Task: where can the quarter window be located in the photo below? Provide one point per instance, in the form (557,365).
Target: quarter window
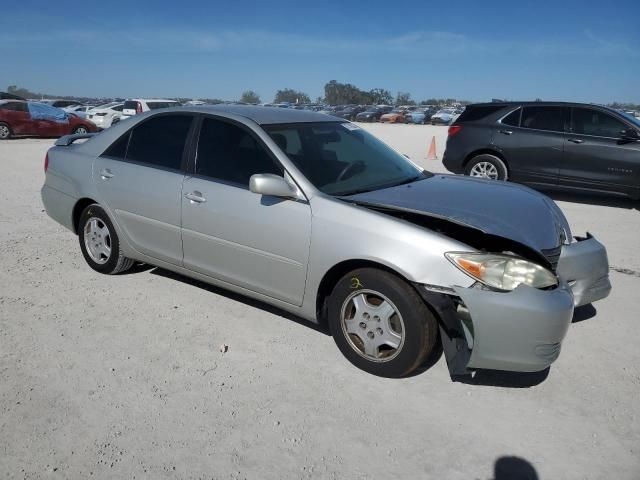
(229,153)
(513,119)
(588,121)
(160,141)
(542,118)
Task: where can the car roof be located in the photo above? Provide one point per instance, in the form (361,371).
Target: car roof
(536,103)
(264,115)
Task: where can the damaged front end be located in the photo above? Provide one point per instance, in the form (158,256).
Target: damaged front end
(516,325)
(522,329)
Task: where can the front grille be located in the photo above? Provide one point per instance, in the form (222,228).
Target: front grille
(553,255)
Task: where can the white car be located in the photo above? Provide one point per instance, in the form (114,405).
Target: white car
(79,110)
(133,106)
(106,115)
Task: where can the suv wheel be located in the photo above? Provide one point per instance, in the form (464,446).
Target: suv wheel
(380,323)
(486,166)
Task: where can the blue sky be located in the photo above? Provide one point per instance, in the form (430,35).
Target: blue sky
(476,50)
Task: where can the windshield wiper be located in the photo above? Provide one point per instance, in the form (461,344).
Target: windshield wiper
(381,187)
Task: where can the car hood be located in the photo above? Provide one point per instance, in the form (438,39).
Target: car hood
(496,208)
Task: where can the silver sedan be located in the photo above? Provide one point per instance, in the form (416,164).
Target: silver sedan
(311,214)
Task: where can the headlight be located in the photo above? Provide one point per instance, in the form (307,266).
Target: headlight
(503,271)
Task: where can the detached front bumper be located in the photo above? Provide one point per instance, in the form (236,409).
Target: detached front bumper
(585,267)
(521,330)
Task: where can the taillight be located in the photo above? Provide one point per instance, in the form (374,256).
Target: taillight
(138,107)
(453,129)
(46,162)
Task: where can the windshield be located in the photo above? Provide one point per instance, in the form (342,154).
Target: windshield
(341,158)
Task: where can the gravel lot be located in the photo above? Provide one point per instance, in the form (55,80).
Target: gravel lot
(122,376)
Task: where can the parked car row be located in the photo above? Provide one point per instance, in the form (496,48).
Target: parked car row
(54,118)
(23,118)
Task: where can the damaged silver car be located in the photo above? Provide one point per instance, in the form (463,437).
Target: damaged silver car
(314,215)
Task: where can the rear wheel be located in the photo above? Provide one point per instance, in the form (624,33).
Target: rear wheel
(99,242)
(380,323)
(486,166)
(5,131)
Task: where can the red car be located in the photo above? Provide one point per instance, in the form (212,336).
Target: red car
(20,119)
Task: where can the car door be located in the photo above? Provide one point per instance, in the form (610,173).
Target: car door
(595,155)
(531,140)
(256,242)
(139,178)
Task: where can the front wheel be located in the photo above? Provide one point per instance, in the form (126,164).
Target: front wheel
(81,130)
(99,242)
(486,166)
(380,323)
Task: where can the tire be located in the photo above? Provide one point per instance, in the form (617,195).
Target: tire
(81,130)
(95,237)
(488,166)
(411,329)
(115,120)
(5,131)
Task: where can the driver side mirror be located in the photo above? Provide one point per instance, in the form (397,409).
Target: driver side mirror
(630,134)
(271,185)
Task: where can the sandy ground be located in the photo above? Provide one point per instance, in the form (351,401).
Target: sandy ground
(122,376)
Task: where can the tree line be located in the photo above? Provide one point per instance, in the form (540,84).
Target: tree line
(335,93)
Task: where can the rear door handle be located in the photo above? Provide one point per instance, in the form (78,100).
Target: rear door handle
(506,132)
(575,140)
(106,174)
(195,197)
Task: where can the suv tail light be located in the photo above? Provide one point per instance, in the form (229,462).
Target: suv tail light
(453,129)
(138,107)
(46,162)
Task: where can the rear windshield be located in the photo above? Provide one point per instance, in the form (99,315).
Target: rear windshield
(130,105)
(472,114)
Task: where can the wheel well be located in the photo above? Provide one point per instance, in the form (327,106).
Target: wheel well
(78,209)
(481,152)
(334,274)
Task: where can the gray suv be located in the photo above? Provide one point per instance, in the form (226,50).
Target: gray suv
(570,145)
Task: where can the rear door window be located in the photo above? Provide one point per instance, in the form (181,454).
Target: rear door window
(15,106)
(230,153)
(543,118)
(160,141)
(588,121)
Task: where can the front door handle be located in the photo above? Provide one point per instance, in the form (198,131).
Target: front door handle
(506,132)
(106,174)
(195,197)
(575,140)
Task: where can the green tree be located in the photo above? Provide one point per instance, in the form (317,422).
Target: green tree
(380,96)
(250,96)
(289,95)
(404,98)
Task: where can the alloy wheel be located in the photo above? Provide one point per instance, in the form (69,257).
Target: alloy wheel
(484,170)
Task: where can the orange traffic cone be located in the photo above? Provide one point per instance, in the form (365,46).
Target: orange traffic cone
(431,153)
